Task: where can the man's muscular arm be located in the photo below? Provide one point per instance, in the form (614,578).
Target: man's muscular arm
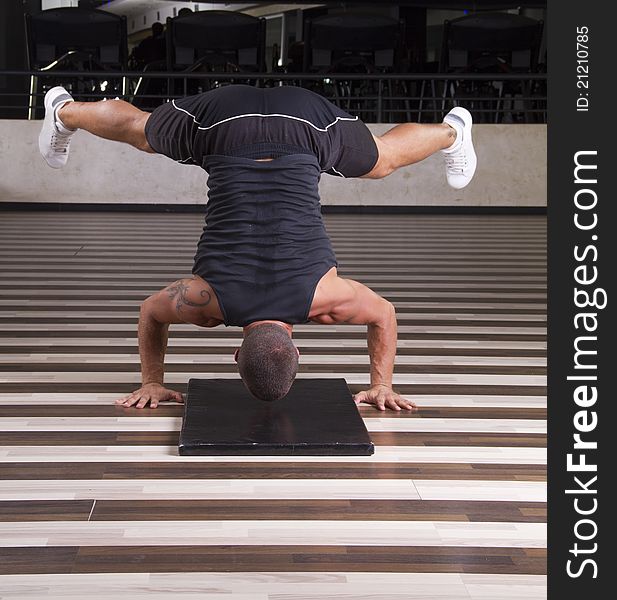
(152,334)
(180,302)
(359,305)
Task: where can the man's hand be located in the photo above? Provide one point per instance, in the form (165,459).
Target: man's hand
(383,397)
(152,393)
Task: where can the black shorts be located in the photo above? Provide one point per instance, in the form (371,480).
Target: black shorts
(250,122)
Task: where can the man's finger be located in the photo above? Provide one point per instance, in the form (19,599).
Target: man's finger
(131,400)
(392,403)
(143,401)
(412,405)
(125,398)
(360,397)
(404,403)
(178,397)
(153,403)
(383,399)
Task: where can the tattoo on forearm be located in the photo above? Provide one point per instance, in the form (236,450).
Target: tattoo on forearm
(179,291)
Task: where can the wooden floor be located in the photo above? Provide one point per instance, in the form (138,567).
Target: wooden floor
(96,503)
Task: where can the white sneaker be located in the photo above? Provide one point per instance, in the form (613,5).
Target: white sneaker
(460,158)
(55,138)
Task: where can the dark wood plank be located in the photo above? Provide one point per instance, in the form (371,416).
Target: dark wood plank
(25,560)
(113,308)
(121,389)
(330,510)
(105,387)
(186,559)
(171,409)
(217,332)
(459,412)
(176,410)
(91,320)
(45,510)
(304,350)
(123,293)
(412,438)
(170,438)
(295,470)
(78,367)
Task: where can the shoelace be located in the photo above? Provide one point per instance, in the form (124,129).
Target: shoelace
(456,162)
(59,142)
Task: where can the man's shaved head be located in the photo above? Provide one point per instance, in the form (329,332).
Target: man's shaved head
(267,361)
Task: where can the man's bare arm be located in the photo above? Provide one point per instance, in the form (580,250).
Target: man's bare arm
(382,337)
(152,335)
(180,302)
(360,305)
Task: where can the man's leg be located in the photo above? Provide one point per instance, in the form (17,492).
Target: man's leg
(115,120)
(110,119)
(410,143)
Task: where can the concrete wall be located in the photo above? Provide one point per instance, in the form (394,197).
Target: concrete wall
(511,172)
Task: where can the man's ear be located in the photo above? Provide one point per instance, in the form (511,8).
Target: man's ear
(298,351)
(236,354)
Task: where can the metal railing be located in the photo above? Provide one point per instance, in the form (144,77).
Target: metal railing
(374,97)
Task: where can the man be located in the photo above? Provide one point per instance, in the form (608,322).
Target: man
(152,48)
(264,261)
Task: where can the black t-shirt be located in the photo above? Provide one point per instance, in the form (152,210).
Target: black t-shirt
(264,247)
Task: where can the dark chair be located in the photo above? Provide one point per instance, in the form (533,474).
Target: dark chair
(493,43)
(214,41)
(354,43)
(75,39)
(333,41)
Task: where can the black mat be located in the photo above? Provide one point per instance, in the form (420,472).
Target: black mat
(318,417)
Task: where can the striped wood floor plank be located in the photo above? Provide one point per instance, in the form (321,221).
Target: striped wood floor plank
(407,422)
(34,401)
(196,487)
(354,510)
(377,472)
(275,586)
(140,532)
(175,409)
(383,454)
(188,559)
(170,438)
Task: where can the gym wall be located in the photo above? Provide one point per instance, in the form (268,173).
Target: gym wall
(511,173)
